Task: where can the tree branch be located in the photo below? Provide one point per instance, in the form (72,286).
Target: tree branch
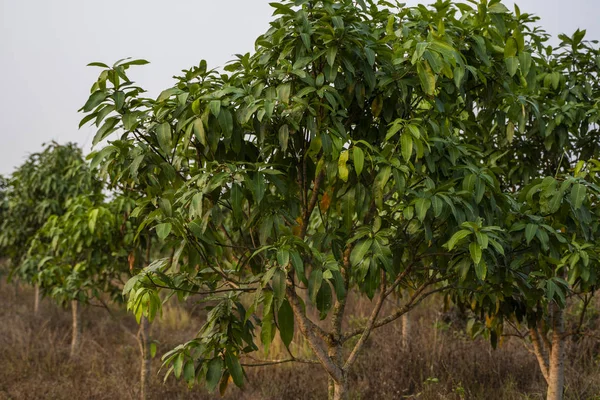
(370,324)
(414,300)
(312,203)
(309,331)
(538,351)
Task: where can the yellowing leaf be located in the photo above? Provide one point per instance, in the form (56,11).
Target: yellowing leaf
(342,167)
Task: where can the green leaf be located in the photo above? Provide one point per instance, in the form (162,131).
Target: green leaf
(283,257)
(283,93)
(266,331)
(279,285)
(136,62)
(530,231)
(331,53)
(578,193)
(510,50)
(426,77)
(92,220)
(259,187)
(94,100)
(525,62)
(97,64)
(236,197)
(189,372)
(199,131)
(284,134)
(106,129)
(481,270)
(358,157)
(163,134)
(163,230)
(407,146)
(324,300)
(165,94)
(438,206)
(482,239)
(215,107)
(178,365)
(457,237)
(476,253)
(510,131)
(479,190)
(512,65)
(285,319)
(359,251)
(314,283)
(234,368)
(298,265)
(129,121)
(421,207)
(468,183)
(498,8)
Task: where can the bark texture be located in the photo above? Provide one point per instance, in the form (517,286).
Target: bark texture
(146,359)
(405,331)
(341,389)
(36,300)
(539,352)
(556,373)
(76,334)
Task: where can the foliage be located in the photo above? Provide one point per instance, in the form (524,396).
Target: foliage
(360,148)
(82,254)
(41,187)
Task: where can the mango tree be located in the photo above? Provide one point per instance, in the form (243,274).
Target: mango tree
(78,255)
(125,176)
(335,161)
(551,225)
(36,190)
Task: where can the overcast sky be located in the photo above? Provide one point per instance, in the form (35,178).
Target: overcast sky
(45,46)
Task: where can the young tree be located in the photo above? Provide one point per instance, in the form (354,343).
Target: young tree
(336,160)
(78,255)
(38,189)
(551,178)
(145,246)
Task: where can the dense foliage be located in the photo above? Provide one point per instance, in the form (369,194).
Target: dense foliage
(38,189)
(363,149)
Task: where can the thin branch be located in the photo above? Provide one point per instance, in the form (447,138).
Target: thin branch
(414,300)
(265,363)
(370,324)
(312,203)
(200,293)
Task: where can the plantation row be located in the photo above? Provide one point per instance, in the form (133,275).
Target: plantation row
(364,149)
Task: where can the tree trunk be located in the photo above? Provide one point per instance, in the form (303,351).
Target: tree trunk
(36,300)
(405,331)
(538,350)
(340,389)
(76,335)
(556,373)
(144,341)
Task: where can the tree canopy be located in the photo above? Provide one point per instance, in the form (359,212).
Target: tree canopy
(38,189)
(362,148)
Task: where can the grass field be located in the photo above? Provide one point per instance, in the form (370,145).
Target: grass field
(440,363)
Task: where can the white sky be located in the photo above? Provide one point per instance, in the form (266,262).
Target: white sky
(45,46)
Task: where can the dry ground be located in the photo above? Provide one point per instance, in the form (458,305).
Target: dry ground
(441,362)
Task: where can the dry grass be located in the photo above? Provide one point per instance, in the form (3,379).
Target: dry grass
(441,363)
